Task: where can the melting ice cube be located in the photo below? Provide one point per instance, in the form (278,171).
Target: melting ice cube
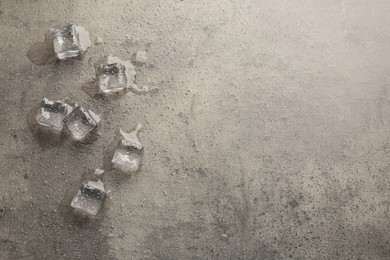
(89,197)
(112,78)
(79,122)
(66,42)
(140,57)
(129,152)
(51,113)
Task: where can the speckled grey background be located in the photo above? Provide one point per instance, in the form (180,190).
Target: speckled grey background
(266,131)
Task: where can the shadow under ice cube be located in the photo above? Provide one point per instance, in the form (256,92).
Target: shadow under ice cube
(66,42)
(52,113)
(89,198)
(112,78)
(80,123)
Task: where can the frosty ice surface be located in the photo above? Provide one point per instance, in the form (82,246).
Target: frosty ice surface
(66,42)
(79,122)
(129,152)
(112,78)
(89,197)
(51,113)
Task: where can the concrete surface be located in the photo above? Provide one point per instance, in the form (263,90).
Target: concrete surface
(266,131)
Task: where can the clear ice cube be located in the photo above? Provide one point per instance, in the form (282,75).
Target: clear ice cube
(89,197)
(66,42)
(52,113)
(129,152)
(79,122)
(112,78)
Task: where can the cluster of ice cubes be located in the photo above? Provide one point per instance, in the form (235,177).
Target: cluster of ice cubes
(127,158)
(57,114)
(114,77)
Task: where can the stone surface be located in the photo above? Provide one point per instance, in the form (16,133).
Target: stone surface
(284,106)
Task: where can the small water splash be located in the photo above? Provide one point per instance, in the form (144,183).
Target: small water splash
(84,38)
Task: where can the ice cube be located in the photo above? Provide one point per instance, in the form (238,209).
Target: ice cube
(129,152)
(112,78)
(52,113)
(66,42)
(79,122)
(127,156)
(89,197)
